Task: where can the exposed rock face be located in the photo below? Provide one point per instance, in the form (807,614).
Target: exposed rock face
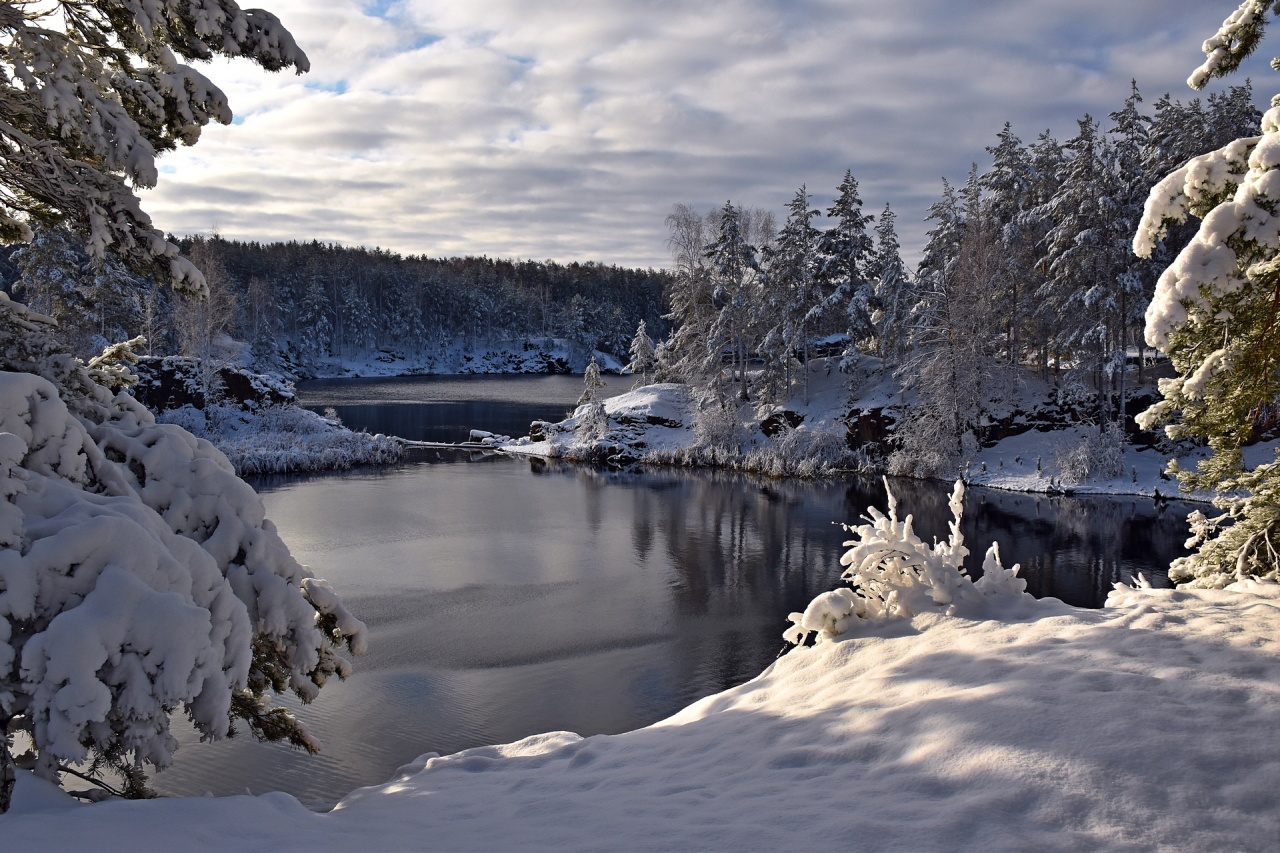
(779,421)
(173,382)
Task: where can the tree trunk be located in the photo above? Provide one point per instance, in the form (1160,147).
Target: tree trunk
(8,776)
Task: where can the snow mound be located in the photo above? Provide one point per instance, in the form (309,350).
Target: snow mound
(665,403)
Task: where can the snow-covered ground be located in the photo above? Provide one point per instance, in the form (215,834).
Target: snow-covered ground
(1147,725)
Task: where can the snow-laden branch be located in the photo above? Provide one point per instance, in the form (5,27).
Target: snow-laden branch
(91,93)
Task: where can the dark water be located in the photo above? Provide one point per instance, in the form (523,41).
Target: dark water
(506,597)
(446,408)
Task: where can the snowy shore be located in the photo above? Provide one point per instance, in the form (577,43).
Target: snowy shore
(1142,726)
(283,439)
(668,424)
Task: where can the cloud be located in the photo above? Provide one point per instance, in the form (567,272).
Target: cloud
(567,130)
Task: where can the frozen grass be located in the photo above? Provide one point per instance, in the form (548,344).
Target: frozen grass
(284,438)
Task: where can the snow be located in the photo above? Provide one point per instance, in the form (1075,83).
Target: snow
(455,357)
(1146,725)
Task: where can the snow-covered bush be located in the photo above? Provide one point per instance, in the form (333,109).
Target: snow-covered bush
(718,425)
(138,577)
(1093,456)
(894,574)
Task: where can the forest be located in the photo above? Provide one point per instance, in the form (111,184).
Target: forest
(1029,269)
(296,303)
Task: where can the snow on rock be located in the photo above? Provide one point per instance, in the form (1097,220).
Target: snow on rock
(1145,725)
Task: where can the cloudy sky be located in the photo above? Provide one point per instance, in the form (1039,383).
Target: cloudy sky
(566,130)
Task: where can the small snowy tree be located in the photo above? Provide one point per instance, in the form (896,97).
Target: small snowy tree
(591,382)
(138,578)
(643,356)
(1216,313)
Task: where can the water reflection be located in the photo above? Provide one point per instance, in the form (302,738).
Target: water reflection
(507,598)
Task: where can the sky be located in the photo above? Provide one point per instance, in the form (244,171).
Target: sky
(567,130)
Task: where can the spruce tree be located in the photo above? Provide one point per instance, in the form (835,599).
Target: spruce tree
(643,357)
(791,292)
(894,293)
(733,267)
(1216,313)
(846,251)
(591,382)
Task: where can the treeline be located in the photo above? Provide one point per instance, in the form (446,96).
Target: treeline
(1029,266)
(302,302)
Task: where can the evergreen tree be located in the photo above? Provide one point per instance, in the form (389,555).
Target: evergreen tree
(315,325)
(591,382)
(1010,187)
(1135,277)
(93,91)
(96,302)
(733,267)
(846,253)
(791,293)
(151,613)
(1085,260)
(643,357)
(894,293)
(1216,313)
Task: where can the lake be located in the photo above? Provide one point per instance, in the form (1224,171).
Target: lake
(507,597)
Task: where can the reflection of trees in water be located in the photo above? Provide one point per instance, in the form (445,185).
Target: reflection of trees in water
(1073,548)
(743,550)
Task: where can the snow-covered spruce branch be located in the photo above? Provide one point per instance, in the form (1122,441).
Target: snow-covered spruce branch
(93,91)
(1216,313)
(893,574)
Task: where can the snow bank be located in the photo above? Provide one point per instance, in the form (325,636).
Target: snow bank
(1146,725)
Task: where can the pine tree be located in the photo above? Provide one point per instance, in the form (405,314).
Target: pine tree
(151,612)
(1010,188)
(96,302)
(1135,276)
(93,91)
(1084,260)
(689,295)
(791,292)
(733,267)
(1216,313)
